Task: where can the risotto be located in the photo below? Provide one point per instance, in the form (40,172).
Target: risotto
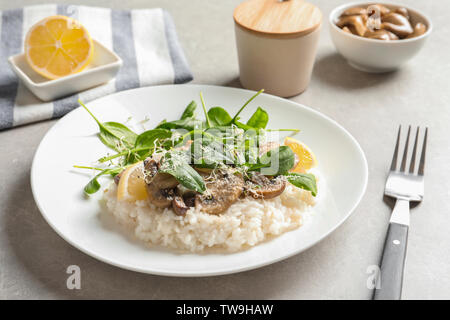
(219,183)
(245,223)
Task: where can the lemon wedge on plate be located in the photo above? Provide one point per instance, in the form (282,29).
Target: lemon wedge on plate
(58,46)
(305,157)
(131,184)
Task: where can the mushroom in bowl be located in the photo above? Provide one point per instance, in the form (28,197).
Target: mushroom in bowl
(378,37)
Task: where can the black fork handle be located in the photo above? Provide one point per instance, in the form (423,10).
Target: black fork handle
(392,263)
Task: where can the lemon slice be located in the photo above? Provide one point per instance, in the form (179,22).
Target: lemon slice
(306,158)
(58,46)
(131,184)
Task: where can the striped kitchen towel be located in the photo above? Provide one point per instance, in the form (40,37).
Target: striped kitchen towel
(145,39)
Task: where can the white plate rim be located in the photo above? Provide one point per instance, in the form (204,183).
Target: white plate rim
(217,272)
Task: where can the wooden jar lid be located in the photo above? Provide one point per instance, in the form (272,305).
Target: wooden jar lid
(277,18)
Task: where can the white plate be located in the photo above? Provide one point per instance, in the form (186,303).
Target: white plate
(57,187)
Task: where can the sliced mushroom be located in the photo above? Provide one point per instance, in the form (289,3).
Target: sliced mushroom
(162,198)
(419,30)
(204,170)
(117,177)
(181,203)
(403,11)
(356,24)
(160,186)
(346,29)
(223,188)
(380,35)
(178,206)
(162,180)
(150,169)
(189,198)
(260,186)
(397,24)
(379,8)
(354,11)
(358,11)
(379,22)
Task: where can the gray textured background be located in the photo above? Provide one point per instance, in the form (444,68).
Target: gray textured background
(33,258)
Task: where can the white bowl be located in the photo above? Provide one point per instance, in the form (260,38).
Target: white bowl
(373,55)
(104,66)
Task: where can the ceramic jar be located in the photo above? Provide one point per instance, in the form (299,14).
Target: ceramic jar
(277,43)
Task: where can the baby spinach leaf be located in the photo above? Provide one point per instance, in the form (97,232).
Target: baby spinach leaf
(208,122)
(241,125)
(219,117)
(113,134)
(145,143)
(176,165)
(259,119)
(189,111)
(188,177)
(148,138)
(93,186)
(161,122)
(187,124)
(211,154)
(306,181)
(246,103)
(275,162)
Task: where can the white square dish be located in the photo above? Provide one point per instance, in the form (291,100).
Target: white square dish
(104,67)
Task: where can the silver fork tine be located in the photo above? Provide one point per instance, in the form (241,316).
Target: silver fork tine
(405,152)
(394,158)
(413,157)
(422,156)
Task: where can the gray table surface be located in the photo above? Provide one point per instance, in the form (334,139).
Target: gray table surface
(33,258)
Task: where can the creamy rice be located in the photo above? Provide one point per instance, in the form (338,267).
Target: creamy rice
(246,223)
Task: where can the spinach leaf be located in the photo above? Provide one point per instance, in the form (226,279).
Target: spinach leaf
(187,124)
(259,119)
(146,143)
(189,111)
(275,162)
(241,125)
(219,117)
(187,120)
(250,146)
(208,122)
(200,134)
(93,186)
(113,134)
(207,150)
(306,181)
(175,164)
(210,155)
(161,122)
(147,139)
(246,103)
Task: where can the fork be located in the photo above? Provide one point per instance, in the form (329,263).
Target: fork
(405,186)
